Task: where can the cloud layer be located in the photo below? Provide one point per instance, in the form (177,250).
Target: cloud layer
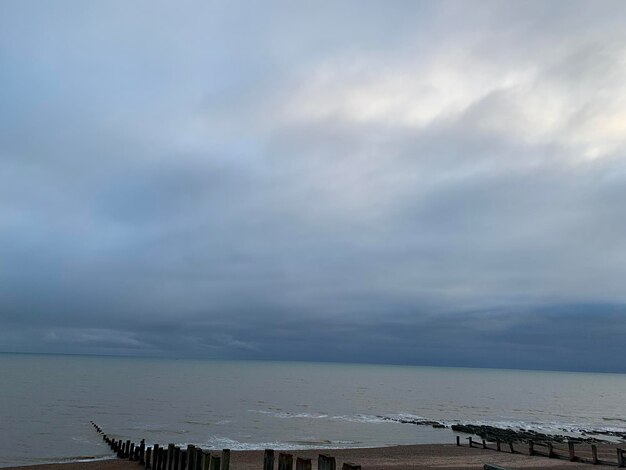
(423,182)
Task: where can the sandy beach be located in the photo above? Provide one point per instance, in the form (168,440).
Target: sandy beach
(440,456)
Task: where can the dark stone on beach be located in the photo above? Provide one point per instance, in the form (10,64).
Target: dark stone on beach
(492,433)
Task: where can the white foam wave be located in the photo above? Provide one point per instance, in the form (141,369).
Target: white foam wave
(221,442)
(359,418)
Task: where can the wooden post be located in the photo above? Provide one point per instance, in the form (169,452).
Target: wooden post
(620,457)
(550,450)
(155,454)
(199,456)
(147,460)
(285,461)
(176,458)
(470,441)
(215,462)
(326,462)
(206,460)
(131,454)
(127,449)
(161,461)
(350,466)
(155,457)
(303,464)
(191,458)
(170,456)
(594,454)
(458,440)
(498,444)
(225,459)
(268,460)
(484,444)
(531,448)
(142,452)
(572,455)
(183,459)
(511,447)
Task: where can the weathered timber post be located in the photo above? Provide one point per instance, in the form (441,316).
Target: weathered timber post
(326,462)
(147,459)
(498,444)
(170,456)
(155,454)
(225,459)
(215,462)
(161,458)
(531,448)
(127,449)
(166,454)
(176,458)
(191,454)
(142,452)
(484,444)
(206,459)
(458,441)
(572,454)
(550,450)
(285,461)
(511,447)
(183,459)
(620,457)
(594,454)
(131,454)
(268,459)
(303,464)
(470,441)
(138,453)
(199,458)
(350,466)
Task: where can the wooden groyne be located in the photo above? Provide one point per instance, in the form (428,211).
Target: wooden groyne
(575,452)
(172,457)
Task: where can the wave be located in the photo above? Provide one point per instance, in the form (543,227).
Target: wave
(221,442)
(548,427)
(359,418)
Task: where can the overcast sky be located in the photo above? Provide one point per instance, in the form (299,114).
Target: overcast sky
(417,182)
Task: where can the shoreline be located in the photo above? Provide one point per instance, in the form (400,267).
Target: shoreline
(405,457)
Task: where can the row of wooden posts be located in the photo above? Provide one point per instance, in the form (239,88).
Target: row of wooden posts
(195,458)
(550,453)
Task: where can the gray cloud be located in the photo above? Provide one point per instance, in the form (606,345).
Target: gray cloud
(424,182)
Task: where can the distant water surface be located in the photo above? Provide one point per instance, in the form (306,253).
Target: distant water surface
(46,403)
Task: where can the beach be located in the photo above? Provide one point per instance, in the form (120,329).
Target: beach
(440,456)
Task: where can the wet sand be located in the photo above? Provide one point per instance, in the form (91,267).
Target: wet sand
(438,456)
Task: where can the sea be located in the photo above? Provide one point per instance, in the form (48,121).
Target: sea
(48,401)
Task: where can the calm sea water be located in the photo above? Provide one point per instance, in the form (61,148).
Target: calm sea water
(46,403)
